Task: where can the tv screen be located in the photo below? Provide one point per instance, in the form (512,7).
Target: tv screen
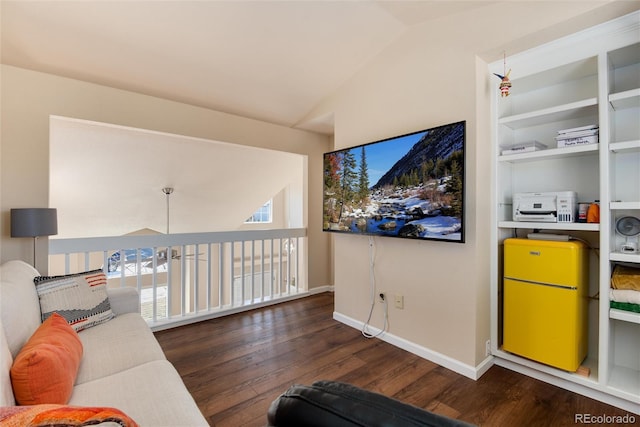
(409,186)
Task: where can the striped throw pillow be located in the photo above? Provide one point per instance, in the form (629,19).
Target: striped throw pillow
(80,298)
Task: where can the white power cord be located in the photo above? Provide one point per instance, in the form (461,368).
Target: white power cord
(372,282)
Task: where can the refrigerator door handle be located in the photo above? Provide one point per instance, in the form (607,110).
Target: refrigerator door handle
(553,285)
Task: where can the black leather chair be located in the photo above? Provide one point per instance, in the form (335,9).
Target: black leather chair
(335,404)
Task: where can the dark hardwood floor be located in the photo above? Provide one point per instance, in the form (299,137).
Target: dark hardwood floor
(237,365)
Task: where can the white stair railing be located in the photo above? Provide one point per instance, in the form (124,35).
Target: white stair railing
(183,278)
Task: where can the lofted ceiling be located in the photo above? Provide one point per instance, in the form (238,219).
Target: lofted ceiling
(268,60)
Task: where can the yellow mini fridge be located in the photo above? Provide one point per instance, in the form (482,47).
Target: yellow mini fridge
(545,301)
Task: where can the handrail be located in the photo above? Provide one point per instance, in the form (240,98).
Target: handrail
(93,244)
(182,278)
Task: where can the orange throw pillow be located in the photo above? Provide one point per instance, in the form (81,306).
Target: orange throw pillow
(46,368)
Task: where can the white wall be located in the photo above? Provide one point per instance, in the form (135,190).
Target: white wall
(431,76)
(30,98)
(107,180)
(412,86)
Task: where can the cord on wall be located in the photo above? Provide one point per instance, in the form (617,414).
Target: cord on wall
(372,283)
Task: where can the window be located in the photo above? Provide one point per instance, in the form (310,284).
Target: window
(262,215)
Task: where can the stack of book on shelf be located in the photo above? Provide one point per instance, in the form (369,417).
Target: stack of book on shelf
(577,136)
(522,147)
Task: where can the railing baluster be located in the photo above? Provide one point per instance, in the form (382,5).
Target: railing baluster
(280,267)
(183,279)
(196,263)
(139,270)
(288,255)
(105,262)
(122,267)
(252,269)
(232,273)
(154,282)
(221,274)
(208,281)
(242,274)
(297,270)
(262,290)
(271,270)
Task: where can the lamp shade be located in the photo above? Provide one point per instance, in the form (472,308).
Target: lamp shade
(34,222)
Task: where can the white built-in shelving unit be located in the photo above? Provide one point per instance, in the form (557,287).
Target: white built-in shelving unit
(592,77)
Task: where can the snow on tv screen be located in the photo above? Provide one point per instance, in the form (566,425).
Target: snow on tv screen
(409,186)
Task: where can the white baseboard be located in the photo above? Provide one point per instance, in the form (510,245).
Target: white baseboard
(320,289)
(472,372)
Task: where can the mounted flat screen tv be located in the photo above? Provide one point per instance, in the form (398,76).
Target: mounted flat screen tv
(409,186)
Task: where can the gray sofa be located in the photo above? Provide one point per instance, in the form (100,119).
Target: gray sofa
(122,364)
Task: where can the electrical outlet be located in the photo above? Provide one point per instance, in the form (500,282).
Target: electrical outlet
(487,348)
(382,297)
(399,302)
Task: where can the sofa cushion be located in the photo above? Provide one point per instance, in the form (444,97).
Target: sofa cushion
(63,415)
(80,298)
(120,344)
(19,307)
(153,394)
(45,369)
(6,390)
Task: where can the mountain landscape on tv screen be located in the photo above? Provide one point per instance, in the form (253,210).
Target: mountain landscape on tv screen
(419,196)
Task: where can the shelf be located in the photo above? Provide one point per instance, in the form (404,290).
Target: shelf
(569,226)
(620,257)
(624,205)
(558,76)
(552,153)
(570,85)
(628,55)
(589,362)
(568,111)
(625,146)
(625,380)
(625,316)
(626,99)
